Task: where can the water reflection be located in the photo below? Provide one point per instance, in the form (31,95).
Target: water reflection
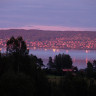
(45,49)
(67,51)
(79,57)
(74,59)
(54,50)
(34,48)
(87,51)
(58,50)
(0,49)
(87,60)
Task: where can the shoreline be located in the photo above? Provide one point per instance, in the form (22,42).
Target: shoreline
(4,48)
(58,48)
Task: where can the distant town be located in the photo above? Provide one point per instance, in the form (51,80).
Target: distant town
(52,39)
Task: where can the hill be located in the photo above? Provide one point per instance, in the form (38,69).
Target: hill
(59,39)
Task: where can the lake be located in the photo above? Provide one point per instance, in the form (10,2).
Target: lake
(79,57)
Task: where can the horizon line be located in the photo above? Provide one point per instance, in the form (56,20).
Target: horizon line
(51,28)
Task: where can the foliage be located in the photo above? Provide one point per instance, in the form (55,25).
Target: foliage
(16,45)
(39,61)
(63,61)
(91,69)
(50,63)
(20,73)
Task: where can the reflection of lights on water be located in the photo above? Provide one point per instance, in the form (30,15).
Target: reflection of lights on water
(34,48)
(54,50)
(57,50)
(74,59)
(86,60)
(45,49)
(67,51)
(87,51)
(0,49)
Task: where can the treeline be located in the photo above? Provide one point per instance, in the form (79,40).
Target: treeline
(21,74)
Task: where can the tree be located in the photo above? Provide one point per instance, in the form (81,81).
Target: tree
(27,79)
(16,45)
(50,63)
(89,65)
(89,69)
(40,62)
(63,61)
(94,64)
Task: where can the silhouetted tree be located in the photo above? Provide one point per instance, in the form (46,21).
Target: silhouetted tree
(89,69)
(19,73)
(40,62)
(27,79)
(50,63)
(16,45)
(94,64)
(63,61)
(89,65)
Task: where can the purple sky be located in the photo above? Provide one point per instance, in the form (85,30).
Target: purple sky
(76,14)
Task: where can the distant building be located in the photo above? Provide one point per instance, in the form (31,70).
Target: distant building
(73,69)
(67,70)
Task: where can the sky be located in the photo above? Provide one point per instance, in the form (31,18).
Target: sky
(48,14)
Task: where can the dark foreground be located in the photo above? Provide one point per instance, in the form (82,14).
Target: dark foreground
(21,76)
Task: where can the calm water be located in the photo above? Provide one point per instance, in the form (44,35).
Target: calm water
(79,57)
